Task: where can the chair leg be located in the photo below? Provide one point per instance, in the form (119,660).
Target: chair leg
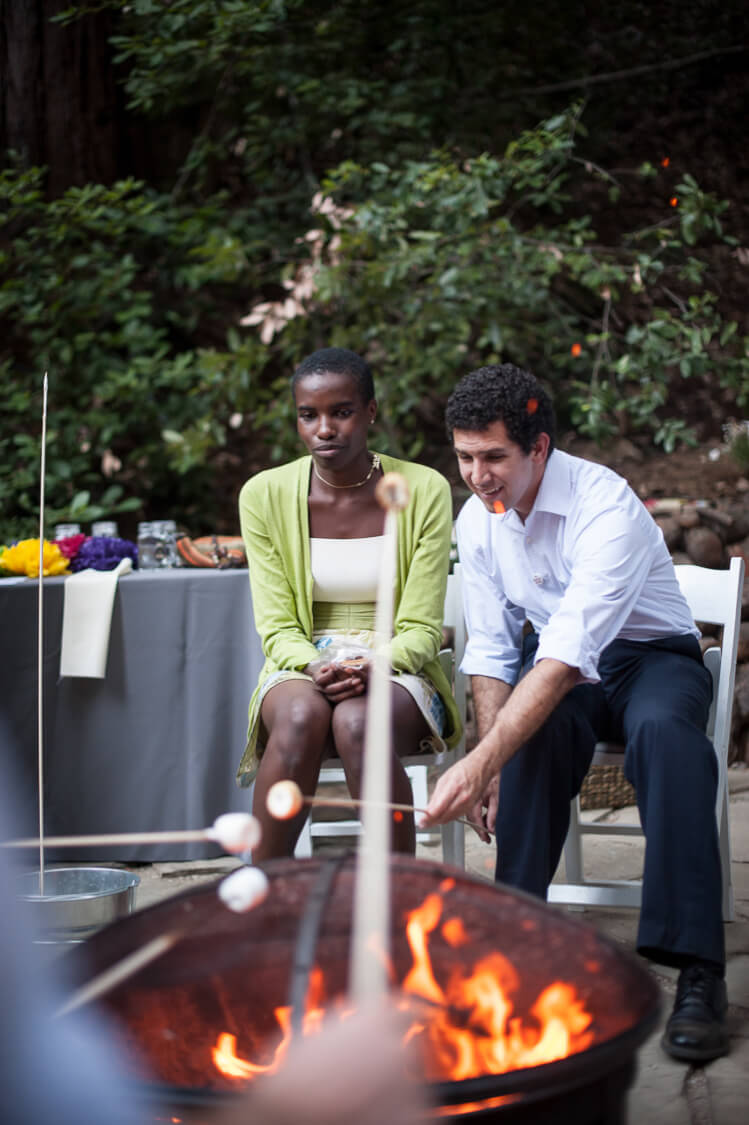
(303,849)
(453,844)
(573,846)
(417,775)
(725,860)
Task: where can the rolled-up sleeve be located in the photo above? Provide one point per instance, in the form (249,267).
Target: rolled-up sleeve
(494,625)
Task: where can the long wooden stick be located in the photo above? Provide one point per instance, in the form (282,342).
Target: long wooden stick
(370,938)
(354,802)
(121,970)
(239,892)
(40,641)
(183,836)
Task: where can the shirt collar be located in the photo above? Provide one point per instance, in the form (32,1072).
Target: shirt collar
(555,491)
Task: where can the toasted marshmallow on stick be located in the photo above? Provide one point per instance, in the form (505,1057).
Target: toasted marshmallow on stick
(284,800)
(236,832)
(244,889)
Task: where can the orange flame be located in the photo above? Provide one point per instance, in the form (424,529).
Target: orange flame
(231,1065)
(466,1027)
(499,507)
(576,350)
(470,1028)
(454,932)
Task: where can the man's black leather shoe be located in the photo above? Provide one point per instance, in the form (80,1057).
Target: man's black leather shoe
(696,1029)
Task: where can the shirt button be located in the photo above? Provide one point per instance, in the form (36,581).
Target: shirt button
(538,579)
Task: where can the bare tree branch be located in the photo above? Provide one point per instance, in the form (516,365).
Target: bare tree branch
(618,75)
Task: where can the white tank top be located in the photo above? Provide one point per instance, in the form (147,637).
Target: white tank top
(345,570)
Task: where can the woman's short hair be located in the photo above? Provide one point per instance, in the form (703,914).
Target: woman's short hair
(339,361)
(502,393)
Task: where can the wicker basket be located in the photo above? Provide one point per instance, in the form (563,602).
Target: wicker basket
(606,787)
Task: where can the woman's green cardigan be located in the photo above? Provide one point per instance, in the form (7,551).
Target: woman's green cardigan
(274,519)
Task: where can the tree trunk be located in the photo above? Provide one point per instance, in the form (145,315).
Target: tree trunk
(58,98)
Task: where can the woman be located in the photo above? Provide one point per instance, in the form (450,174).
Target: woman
(313,532)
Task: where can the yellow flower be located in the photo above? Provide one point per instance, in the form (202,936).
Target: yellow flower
(23,558)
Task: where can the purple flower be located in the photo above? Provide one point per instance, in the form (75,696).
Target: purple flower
(103,552)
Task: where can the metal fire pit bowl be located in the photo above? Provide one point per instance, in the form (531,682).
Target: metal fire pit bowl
(230,971)
(77,901)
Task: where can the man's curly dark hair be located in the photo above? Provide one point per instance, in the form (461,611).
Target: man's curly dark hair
(502,393)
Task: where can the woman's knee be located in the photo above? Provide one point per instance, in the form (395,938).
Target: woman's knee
(349,724)
(299,727)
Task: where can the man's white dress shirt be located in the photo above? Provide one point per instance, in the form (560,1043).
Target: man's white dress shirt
(588,566)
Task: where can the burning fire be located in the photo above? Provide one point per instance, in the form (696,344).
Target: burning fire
(465,1027)
(231,1065)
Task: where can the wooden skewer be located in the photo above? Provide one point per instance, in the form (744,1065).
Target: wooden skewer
(40,642)
(120,971)
(285,799)
(183,836)
(234,832)
(354,802)
(370,936)
(240,892)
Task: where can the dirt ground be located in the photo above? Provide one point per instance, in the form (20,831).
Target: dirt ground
(707,472)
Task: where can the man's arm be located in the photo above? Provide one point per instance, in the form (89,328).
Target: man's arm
(525,709)
(489,697)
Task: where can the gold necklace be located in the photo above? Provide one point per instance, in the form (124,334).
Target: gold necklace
(375,465)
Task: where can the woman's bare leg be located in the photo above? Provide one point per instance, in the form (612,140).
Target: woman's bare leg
(297,718)
(409,728)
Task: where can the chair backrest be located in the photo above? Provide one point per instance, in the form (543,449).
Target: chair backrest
(453,619)
(714,597)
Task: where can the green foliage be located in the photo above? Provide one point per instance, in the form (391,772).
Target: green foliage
(449,232)
(443,264)
(106,289)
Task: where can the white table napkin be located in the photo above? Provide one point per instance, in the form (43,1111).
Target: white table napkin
(86,620)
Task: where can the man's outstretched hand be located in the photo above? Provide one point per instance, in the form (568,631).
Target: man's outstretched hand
(464,790)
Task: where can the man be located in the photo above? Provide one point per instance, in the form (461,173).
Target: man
(564,545)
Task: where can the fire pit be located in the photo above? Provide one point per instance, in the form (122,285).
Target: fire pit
(521,1013)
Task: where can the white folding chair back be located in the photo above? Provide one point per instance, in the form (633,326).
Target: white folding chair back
(453,839)
(714,597)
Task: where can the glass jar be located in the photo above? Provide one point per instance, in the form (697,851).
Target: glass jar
(147,543)
(104,527)
(65,530)
(166,533)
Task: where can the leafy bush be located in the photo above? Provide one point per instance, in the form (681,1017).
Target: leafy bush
(169,328)
(108,289)
(432,267)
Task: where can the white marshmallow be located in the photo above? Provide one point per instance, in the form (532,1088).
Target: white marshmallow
(284,800)
(244,888)
(235,832)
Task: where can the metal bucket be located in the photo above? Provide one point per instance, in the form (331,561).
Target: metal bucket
(77,901)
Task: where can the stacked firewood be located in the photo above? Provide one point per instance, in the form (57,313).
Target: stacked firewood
(710,534)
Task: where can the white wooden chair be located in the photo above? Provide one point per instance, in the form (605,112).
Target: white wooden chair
(453,838)
(714,597)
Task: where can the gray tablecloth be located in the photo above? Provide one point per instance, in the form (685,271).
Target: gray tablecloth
(153,746)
